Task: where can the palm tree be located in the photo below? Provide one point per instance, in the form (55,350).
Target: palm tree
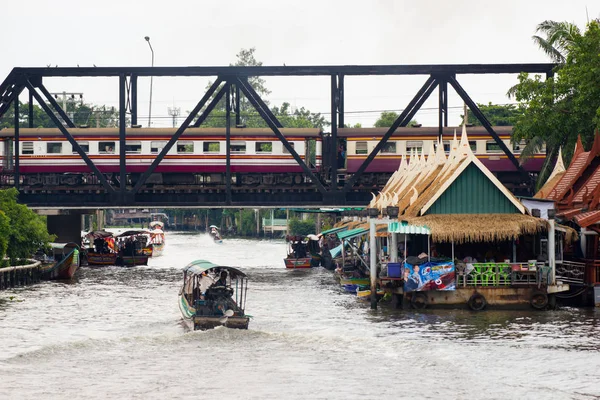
(557,41)
(560,37)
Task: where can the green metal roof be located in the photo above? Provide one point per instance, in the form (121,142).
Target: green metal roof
(200,266)
(472,193)
(334,230)
(406,228)
(346,235)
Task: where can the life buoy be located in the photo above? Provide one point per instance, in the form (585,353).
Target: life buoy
(419,300)
(539,300)
(477,302)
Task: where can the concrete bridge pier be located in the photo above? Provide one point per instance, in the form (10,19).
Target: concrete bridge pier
(65,224)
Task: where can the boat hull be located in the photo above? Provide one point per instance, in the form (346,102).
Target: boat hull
(203,322)
(131,261)
(157,249)
(148,251)
(101,259)
(63,269)
(295,263)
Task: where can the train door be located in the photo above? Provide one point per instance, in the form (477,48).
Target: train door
(6,151)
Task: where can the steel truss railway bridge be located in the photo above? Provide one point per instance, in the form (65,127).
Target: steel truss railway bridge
(232,83)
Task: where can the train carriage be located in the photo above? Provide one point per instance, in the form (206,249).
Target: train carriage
(199,156)
(257,157)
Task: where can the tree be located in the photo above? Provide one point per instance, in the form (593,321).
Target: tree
(556,110)
(80,114)
(302,228)
(298,118)
(4,227)
(496,114)
(560,37)
(387,118)
(27,231)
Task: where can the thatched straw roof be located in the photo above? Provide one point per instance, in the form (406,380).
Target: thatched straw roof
(462,228)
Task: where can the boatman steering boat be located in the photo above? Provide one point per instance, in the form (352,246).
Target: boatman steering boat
(212,296)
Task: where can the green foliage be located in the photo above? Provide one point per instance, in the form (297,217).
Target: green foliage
(298,118)
(27,231)
(80,113)
(387,118)
(303,228)
(558,109)
(4,227)
(496,114)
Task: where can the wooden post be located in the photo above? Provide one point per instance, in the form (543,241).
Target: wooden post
(373,262)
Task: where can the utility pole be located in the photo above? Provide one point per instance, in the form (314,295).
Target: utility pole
(68,98)
(174,112)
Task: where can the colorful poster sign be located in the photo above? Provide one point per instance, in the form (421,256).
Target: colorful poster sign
(429,276)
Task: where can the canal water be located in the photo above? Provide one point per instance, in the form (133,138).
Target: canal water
(116,333)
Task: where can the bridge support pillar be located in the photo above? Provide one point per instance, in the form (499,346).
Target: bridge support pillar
(67,228)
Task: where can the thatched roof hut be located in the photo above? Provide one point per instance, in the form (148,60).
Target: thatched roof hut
(457,198)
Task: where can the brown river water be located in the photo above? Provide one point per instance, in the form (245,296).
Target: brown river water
(116,333)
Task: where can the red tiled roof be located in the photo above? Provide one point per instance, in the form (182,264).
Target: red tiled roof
(589,187)
(587,218)
(568,179)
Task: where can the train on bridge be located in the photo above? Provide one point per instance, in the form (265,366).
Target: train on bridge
(257,157)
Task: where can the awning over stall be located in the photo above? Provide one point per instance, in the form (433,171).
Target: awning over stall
(334,230)
(408,229)
(352,233)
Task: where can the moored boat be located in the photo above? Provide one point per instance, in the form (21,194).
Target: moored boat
(102,251)
(213,295)
(65,262)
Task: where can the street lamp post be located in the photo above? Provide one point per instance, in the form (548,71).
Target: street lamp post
(151,78)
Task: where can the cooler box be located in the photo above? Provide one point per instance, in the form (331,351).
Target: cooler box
(394,270)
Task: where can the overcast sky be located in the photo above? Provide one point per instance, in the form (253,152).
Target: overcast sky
(210,33)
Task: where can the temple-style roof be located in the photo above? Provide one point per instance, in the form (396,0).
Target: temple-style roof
(576,191)
(456,198)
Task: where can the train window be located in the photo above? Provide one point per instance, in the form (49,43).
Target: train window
(53,148)
(27,148)
(285,150)
(447,146)
(473,146)
(492,147)
(156,147)
(85,146)
(106,147)
(185,147)
(361,148)
(133,147)
(389,147)
(211,147)
(237,147)
(264,147)
(414,145)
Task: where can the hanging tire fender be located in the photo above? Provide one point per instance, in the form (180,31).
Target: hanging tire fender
(477,302)
(419,300)
(539,300)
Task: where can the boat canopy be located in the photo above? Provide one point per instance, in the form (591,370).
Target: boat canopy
(61,246)
(133,233)
(352,233)
(155,223)
(199,266)
(99,235)
(334,230)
